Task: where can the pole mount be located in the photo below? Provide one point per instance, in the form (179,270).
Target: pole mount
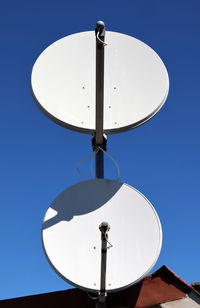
(103,145)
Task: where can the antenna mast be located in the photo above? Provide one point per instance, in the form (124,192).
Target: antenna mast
(99,141)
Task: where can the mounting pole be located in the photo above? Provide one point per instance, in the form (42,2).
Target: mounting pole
(99,140)
(104,228)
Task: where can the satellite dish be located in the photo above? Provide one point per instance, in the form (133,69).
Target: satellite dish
(136,82)
(72,240)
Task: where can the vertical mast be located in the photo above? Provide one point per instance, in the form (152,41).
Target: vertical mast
(100,141)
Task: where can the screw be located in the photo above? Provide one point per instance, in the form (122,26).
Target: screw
(83,88)
(94,247)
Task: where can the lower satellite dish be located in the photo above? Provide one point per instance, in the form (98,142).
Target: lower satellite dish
(72,240)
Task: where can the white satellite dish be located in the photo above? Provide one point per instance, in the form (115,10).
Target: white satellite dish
(136,82)
(72,240)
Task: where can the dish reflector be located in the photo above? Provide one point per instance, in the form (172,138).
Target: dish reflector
(136,82)
(72,240)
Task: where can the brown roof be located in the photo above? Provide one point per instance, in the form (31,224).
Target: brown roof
(162,286)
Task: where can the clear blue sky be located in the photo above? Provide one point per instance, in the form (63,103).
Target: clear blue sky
(38,158)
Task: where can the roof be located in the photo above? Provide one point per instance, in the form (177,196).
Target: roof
(160,287)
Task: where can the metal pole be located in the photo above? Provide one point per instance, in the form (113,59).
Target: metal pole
(99,165)
(99,138)
(100,141)
(104,228)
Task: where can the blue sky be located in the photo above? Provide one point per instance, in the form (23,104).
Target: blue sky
(38,158)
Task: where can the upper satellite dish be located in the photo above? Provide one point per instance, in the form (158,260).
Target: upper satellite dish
(136,82)
(72,240)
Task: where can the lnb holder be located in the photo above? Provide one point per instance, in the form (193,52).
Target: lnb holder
(100,28)
(104,228)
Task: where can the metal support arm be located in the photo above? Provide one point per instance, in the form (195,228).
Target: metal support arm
(104,228)
(99,139)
